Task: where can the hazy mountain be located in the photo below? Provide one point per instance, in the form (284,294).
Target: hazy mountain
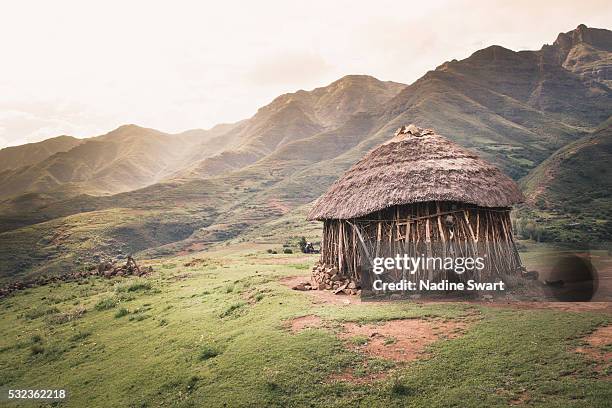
(27,154)
(296,116)
(124,159)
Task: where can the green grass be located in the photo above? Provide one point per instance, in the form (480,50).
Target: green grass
(192,343)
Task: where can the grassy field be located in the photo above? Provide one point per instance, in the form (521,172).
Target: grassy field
(214,333)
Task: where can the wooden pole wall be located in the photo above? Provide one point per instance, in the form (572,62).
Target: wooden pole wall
(425,228)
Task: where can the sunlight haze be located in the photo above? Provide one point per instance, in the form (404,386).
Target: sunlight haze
(82,69)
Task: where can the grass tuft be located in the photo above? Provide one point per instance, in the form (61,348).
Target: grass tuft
(208,352)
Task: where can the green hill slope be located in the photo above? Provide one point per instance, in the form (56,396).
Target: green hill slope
(572,190)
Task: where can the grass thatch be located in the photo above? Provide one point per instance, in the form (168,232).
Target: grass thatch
(415,166)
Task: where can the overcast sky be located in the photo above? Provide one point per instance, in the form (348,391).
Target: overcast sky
(79,68)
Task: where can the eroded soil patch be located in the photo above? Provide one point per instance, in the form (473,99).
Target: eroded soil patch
(399,340)
(599,348)
(305,322)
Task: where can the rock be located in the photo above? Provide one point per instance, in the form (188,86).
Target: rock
(339,289)
(352,285)
(302,286)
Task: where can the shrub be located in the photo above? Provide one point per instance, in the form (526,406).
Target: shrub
(106,303)
(121,312)
(302,244)
(209,352)
(36,349)
(231,309)
(192,383)
(134,287)
(287,251)
(397,388)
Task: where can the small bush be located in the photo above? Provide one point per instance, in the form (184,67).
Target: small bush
(163,322)
(134,287)
(192,383)
(229,288)
(139,317)
(209,352)
(287,251)
(36,349)
(231,309)
(121,312)
(397,388)
(106,303)
(36,339)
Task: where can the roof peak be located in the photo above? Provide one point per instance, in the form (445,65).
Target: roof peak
(408,131)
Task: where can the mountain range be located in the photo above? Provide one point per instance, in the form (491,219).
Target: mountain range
(542,116)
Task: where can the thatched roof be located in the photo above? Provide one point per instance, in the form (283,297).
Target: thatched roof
(415,166)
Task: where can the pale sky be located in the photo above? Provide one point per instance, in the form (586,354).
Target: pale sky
(83,68)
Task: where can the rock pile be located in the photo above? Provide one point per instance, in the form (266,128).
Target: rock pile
(328,278)
(106,269)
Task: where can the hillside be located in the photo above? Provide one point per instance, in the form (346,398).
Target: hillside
(296,116)
(515,108)
(573,188)
(125,159)
(27,154)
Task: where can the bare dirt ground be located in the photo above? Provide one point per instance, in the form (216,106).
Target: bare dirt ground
(305,322)
(399,340)
(597,348)
(396,340)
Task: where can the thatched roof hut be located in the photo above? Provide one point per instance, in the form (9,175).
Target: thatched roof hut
(412,168)
(418,187)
